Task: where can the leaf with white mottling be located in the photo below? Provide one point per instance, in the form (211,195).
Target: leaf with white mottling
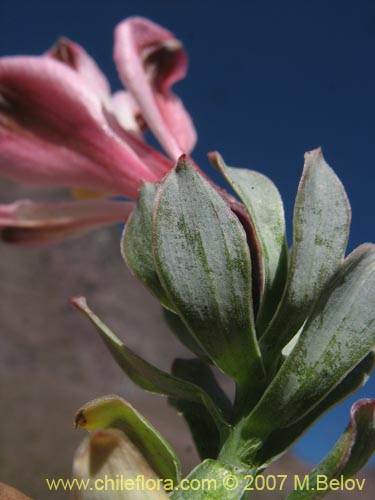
(338,334)
(320,234)
(281,439)
(265,208)
(136,243)
(203,262)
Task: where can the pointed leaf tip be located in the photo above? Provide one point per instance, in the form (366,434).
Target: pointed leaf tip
(215,159)
(314,153)
(79,302)
(79,420)
(321,224)
(146,375)
(183,162)
(267,241)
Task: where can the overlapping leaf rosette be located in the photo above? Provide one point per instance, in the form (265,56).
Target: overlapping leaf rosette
(306,346)
(294,329)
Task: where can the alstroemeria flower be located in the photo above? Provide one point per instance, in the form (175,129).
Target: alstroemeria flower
(61,126)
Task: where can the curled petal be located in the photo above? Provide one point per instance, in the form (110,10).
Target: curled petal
(53,131)
(75,56)
(121,105)
(150,60)
(37,224)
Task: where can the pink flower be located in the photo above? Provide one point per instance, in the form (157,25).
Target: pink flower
(61,126)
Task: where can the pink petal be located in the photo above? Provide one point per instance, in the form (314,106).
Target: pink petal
(127,113)
(35,224)
(156,162)
(53,131)
(150,60)
(121,104)
(75,56)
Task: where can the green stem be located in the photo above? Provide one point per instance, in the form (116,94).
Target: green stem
(215,480)
(247,396)
(240,449)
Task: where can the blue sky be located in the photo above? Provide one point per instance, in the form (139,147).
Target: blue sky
(268,81)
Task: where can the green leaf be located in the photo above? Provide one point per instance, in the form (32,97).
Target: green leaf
(205,435)
(113,412)
(202,427)
(338,334)
(148,376)
(109,457)
(265,208)
(178,328)
(203,262)
(198,373)
(320,234)
(281,439)
(136,243)
(353,450)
